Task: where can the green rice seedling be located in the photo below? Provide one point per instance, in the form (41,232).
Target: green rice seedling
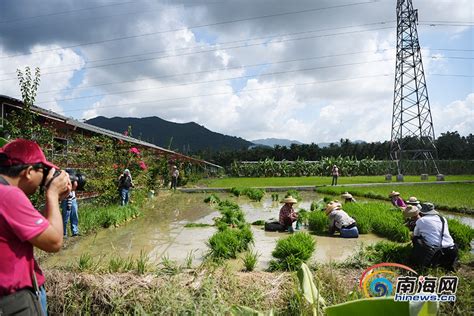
(387,251)
(275,197)
(245,237)
(191,225)
(318,222)
(236,191)
(254,194)
(392,230)
(224,244)
(291,252)
(303,216)
(461,233)
(142,262)
(228,204)
(232,216)
(250,260)
(293,193)
(259,222)
(212,199)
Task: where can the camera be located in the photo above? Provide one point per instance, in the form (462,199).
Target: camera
(80,178)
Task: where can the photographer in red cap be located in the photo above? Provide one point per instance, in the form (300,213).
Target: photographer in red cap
(23,169)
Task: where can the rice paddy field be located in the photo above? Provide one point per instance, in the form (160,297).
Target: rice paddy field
(310,181)
(449,196)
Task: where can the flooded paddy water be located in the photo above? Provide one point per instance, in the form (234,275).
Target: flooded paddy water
(161,233)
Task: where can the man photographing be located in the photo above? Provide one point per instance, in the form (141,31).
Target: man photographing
(22,168)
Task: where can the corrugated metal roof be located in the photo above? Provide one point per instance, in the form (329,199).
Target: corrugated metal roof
(103,131)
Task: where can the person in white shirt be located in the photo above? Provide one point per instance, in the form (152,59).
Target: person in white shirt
(174,177)
(429,228)
(341,221)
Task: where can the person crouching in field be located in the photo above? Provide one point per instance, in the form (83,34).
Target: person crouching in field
(432,244)
(341,221)
(348,198)
(288,214)
(411,214)
(397,201)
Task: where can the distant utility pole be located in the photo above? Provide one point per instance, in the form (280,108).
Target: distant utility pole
(412,125)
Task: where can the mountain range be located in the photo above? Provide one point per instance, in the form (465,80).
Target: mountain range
(182,137)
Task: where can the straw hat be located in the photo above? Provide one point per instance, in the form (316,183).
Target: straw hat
(290,200)
(346,195)
(413,200)
(428,209)
(332,206)
(174,167)
(410,211)
(393,193)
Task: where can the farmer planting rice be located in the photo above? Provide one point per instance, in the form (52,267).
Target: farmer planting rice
(411,214)
(414,201)
(432,242)
(396,199)
(341,221)
(287,214)
(348,198)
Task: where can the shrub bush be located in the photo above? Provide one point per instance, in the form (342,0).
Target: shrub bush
(291,252)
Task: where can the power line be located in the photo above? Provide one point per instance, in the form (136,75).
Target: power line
(229,93)
(207,51)
(216,44)
(210,81)
(194,27)
(217,69)
(215,80)
(63,12)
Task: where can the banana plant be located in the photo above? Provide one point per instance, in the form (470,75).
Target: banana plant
(309,289)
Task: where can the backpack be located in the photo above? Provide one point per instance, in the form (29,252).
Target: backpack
(125,182)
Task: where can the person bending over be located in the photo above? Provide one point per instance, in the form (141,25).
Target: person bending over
(341,221)
(288,214)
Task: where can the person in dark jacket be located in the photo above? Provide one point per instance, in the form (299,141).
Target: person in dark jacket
(125,184)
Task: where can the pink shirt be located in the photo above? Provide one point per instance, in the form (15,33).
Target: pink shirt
(19,222)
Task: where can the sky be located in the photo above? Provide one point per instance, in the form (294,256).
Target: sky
(306,70)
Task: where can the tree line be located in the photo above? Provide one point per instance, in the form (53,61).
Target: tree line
(450,145)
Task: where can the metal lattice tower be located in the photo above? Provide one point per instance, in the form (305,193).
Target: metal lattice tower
(412,124)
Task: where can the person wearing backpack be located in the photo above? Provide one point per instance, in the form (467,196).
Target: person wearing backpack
(432,242)
(125,183)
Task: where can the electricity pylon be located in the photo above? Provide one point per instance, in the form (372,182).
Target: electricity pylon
(412,125)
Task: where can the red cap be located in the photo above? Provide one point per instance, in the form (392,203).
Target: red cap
(23,152)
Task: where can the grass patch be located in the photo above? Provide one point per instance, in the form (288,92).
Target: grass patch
(450,196)
(461,233)
(291,252)
(250,260)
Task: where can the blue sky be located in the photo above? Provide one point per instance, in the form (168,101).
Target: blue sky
(326,67)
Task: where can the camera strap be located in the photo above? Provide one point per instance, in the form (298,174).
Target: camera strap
(3,181)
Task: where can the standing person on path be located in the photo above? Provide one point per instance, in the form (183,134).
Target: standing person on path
(69,210)
(23,169)
(335,174)
(174,178)
(125,183)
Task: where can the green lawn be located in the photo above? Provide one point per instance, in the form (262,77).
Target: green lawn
(301,181)
(451,196)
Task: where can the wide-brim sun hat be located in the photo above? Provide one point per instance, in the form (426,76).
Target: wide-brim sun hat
(410,211)
(393,193)
(346,195)
(289,200)
(428,209)
(413,200)
(331,206)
